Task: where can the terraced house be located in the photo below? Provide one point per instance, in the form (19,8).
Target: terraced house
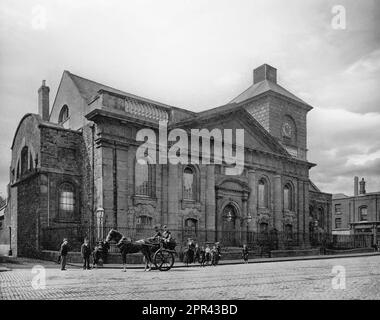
(74,172)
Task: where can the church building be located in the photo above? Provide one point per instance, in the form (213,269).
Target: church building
(74,172)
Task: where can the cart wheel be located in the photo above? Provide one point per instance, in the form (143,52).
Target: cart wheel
(163,260)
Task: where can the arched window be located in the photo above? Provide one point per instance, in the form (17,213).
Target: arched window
(189,184)
(363,213)
(24,160)
(145,183)
(67,201)
(64,114)
(263,193)
(288,197)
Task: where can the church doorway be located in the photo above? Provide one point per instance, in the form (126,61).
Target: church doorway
(229,233)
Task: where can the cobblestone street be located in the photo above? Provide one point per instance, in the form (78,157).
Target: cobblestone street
(310,279)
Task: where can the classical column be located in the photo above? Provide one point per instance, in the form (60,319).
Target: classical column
(210,203)
(306,212)
(277,200)
(173,196)
(252,199)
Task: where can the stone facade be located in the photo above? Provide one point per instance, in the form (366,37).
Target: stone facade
(83,162)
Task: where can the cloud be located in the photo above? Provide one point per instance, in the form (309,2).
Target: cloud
(344,144)
(200,54)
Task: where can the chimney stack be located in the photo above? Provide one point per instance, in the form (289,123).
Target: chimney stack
(362,186)
(264,72)
(43,101)
(356,186)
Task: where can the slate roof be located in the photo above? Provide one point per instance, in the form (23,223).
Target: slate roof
(89,89)
(265,86)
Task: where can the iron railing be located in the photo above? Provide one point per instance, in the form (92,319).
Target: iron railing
(51,238)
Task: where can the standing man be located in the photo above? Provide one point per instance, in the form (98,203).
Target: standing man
(86,253)
(63,253)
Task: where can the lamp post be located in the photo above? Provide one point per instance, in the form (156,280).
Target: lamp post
(99,220)
(10,253)
(248,218)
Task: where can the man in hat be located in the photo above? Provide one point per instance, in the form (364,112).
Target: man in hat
(63,253)
(157,235)
(86,253)
(166,234)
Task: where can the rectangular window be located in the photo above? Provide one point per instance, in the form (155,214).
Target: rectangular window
(338,208)
(338,223)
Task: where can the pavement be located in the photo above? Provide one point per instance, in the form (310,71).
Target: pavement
(333,278)
(179,264)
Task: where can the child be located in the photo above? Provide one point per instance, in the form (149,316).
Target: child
(202,256)
(245,253)
(208,253)
(86,253)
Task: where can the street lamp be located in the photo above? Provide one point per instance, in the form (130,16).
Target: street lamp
(248,218)
(99,220)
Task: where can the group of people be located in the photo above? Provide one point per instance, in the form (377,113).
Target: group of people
(86,252)
(202,254)
(165,235)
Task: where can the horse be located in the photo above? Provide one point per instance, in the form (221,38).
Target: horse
(100,252)
(126,245)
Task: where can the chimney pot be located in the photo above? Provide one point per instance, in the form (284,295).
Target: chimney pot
(356,186)
(43,101)
(362,187)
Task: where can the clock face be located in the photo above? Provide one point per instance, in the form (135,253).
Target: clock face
(287,130)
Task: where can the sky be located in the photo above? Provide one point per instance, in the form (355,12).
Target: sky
(200,54)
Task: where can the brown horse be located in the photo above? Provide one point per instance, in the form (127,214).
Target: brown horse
(126,245)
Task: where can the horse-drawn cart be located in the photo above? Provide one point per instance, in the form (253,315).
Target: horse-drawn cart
(163,258)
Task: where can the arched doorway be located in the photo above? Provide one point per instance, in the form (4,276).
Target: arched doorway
(229,216)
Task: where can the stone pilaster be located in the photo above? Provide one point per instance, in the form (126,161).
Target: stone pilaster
(173,196)
(277,201)
(252,199)
(306,212)
(210,200)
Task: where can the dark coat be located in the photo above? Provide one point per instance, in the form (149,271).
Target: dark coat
(85,250)
(64,249)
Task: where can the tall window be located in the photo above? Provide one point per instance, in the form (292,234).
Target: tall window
(30,162)
(64,114)
(263,193)
(288,197)
(145,179)
(363,214)
(189,184)
(338,223)
(67,202)
(338,208)
(24,160)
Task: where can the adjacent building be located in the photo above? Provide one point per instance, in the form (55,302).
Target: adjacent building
(356,214)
